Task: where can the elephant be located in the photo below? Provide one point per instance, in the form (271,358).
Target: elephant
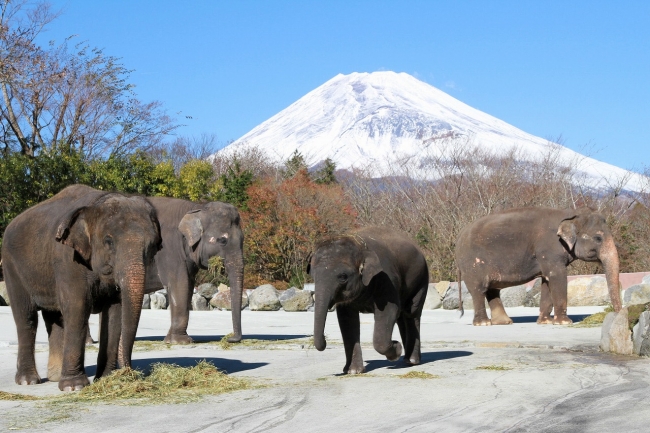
(515,246)
(371,270)
(82,251)
(193,233)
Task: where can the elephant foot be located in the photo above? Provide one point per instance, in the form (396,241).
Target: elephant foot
(31,378)
(54,375)
(413,360)
(544,320)
(395,351)
(76,383)
(482,321)
(504,320)
(354,369)
(562,320)
(233,338)
(178,339)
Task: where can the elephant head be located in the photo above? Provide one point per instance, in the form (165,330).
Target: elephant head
(116,237)
(341,269)
(214,230)
(586,237)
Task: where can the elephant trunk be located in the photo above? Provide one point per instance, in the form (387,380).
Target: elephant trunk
(609,259)
(132,285)
(321,306)
(235,270)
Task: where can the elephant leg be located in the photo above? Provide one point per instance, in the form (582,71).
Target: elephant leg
(26,318)
(180,292)
(410,331)
(54,326)
(498,313)
(383,332)
(75,317)
(110,328)
(557,284)
(477,291)
(545,304)
(351,333)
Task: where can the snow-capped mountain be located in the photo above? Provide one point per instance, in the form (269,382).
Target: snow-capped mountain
(364,119)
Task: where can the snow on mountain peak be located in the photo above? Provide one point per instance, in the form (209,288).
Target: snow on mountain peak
(366,118)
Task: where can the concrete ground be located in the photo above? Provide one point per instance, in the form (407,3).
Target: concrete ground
(518,378)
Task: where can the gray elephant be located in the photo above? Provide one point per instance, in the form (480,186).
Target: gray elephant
(373,270)
(78,252)
(513,247)
(193,233)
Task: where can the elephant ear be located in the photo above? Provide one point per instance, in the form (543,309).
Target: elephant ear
(370,266)
(74,232)
(191,228)
(568,232)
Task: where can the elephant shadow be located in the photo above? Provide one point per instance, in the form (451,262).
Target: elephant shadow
(533,319)
(228,366)
(425,358)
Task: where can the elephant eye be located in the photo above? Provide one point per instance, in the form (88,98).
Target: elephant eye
(342,277)
(108,241)
(598,238)
(223,240)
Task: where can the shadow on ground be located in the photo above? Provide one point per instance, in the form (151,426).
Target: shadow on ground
(425,358)
(226,365)
(533,319)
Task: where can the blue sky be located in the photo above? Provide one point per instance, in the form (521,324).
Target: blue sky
(575,68)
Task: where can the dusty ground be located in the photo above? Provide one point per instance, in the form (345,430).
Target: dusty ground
(522,377)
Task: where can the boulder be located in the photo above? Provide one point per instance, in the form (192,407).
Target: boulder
(158,301)
(513,296)
(615,334)
(221,300)
(199,303)
(294,299)
(637,294)
(146,302)
(4,296)
(207,290)
(433,300)
(533,294)
(450,301)
(264,298)
(310,287)
(441,287)
(646,279)
(587,291)
(641,335)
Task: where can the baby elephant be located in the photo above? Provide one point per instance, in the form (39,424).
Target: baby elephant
(373,270)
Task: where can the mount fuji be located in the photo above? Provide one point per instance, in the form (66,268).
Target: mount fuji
(365,119)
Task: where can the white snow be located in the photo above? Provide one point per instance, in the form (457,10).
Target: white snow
(363,119)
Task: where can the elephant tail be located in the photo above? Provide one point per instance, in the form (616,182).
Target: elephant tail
(460,294)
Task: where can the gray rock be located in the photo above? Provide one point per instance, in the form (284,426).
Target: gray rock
(310,287)
(162,291)
(533,294)
(222,300)
(199,303)
(207,290)
(146,302)
(513,296)
(450,301)
(294,299)
(646,279)
(637,294)
(4,296)
(587,291)
(264,298)
(641,335)
(158,301)
(615,334)
(433,300)
(441,287)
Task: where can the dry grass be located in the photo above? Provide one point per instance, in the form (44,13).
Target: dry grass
(10,396)
(493,367)
(167,383)
(418,375)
